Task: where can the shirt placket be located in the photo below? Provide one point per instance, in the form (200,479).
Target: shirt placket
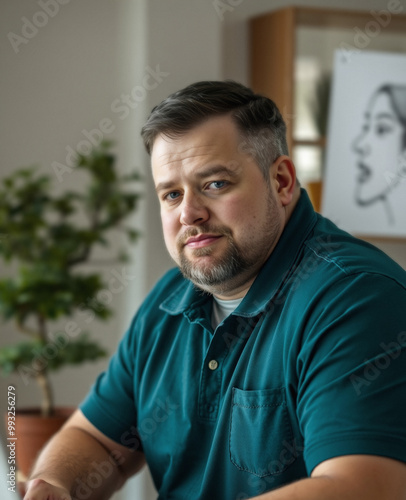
(220,358)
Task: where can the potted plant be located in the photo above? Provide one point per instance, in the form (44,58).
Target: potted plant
(48,237)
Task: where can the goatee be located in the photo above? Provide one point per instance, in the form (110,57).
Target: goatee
(224,269)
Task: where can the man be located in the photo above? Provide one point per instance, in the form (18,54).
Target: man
(272,364)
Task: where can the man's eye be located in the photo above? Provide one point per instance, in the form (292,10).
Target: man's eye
(217,184)
(172,195)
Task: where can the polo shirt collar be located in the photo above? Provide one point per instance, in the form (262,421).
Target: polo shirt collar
(186,296)
(270,277)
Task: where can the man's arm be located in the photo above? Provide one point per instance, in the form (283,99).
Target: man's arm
(81,461)
(351,477)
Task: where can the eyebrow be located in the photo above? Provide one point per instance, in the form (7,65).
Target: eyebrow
(385,115)
(203,174)
(216,170)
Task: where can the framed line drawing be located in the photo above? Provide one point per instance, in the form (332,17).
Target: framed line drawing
(365,177)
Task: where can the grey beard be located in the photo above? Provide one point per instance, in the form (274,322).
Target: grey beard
(231,265)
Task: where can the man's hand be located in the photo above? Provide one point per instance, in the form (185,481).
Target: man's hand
(66,464)
(38,489)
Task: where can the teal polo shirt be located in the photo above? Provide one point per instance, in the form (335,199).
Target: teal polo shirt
(310,366)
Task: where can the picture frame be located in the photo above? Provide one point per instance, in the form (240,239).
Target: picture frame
(364,188)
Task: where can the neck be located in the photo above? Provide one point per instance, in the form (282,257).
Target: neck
(289,209)
(235,293)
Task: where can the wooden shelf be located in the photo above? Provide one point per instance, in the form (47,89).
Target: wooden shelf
(347,19)
(273,40)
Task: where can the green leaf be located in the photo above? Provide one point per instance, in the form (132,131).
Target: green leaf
(51,355)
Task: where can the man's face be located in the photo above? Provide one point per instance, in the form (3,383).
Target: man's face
(220,218)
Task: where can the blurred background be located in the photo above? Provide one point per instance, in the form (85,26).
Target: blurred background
(101,65)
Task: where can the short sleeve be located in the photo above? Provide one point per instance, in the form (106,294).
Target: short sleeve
(110,405)
(352,372)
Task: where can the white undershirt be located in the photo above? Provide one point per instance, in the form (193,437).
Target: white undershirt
(222,309)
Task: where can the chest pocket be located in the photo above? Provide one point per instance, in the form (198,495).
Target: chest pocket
(261,438)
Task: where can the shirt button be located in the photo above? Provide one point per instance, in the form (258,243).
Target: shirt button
(210,408)
(213,364)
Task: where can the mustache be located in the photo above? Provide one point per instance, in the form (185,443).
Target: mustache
(203,229)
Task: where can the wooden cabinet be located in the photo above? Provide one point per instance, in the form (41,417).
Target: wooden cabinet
(292,46)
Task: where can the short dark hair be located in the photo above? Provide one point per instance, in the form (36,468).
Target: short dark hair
(257,117)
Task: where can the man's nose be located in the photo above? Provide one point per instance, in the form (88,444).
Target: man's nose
(193,210)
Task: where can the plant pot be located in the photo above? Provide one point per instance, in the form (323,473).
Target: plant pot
(33,431)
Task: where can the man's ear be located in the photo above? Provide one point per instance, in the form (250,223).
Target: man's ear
(283,173)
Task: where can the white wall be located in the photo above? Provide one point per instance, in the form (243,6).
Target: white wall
(66,78)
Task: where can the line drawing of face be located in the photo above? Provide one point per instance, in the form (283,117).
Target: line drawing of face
(379,148)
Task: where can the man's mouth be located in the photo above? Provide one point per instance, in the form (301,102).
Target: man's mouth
(365,172)
(201,240)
